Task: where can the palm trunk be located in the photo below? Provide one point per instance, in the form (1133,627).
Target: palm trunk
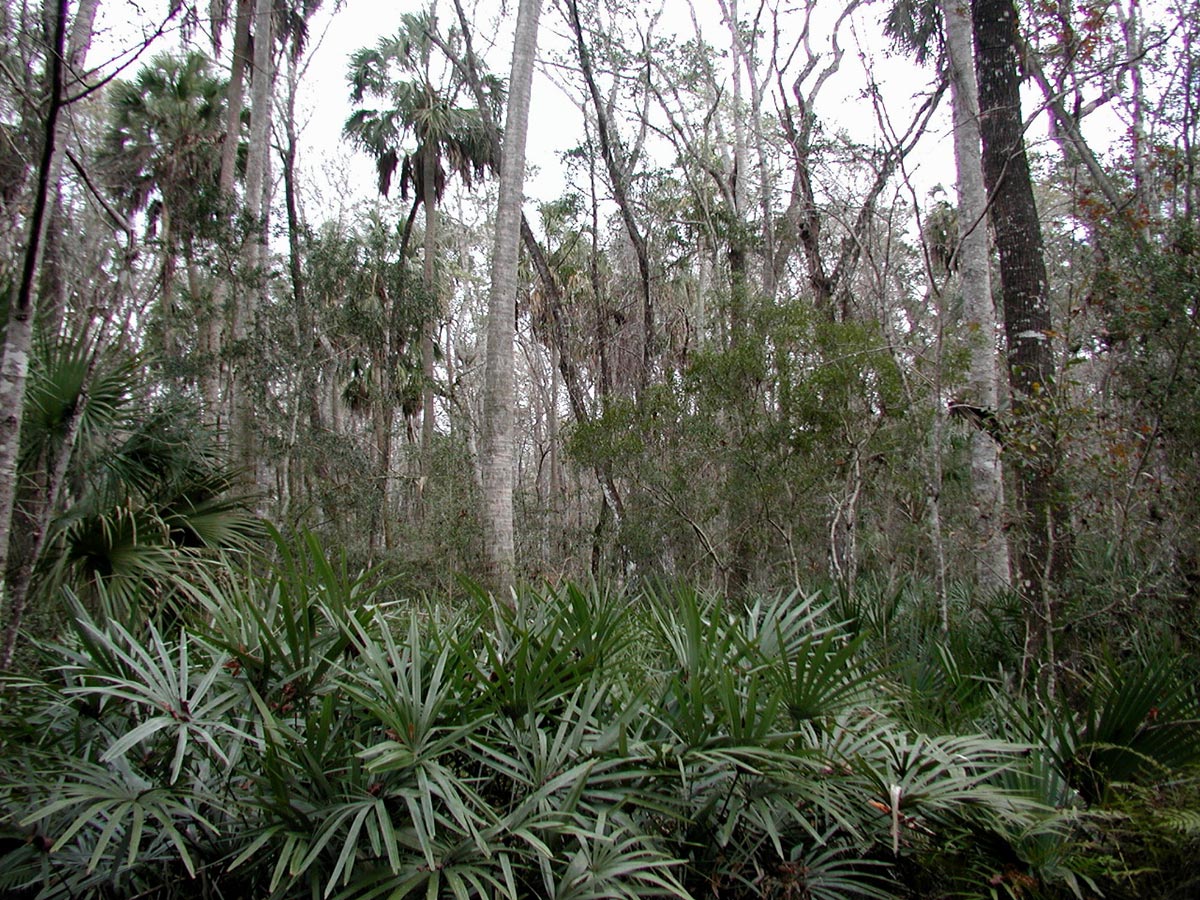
(499,387)
(254,259)
(987,477)
(215,328)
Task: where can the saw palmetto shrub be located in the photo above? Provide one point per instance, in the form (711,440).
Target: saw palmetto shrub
(301,733)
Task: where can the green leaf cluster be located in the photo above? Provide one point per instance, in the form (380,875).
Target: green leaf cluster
(298,732)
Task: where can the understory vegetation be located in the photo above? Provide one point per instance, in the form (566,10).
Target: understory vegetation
(719,450)
(294,729)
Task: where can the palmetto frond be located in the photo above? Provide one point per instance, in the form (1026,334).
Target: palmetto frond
(65,386)
(1139,719)
(305,736)
(148,498)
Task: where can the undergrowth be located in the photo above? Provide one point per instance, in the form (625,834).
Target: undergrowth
(301,733)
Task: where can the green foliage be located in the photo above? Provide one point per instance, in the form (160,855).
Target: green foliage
(297,733)
(1149,839)
(153,506)
(135,497)
(1136,721)
(1134,444)
(450,134)
(732,462)
(162,149)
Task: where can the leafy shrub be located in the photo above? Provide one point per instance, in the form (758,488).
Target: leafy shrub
(298,733)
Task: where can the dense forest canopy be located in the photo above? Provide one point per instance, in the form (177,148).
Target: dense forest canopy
(846,350)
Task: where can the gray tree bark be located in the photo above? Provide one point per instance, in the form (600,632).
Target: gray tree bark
(618,177)
(18,336)
(499,381)
(214,331)
(254,253)
(974,266)
(429,278)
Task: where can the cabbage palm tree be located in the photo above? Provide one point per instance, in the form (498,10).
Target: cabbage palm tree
(162,154)
(418,129)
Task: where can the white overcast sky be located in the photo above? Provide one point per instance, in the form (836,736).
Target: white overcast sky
(556,124)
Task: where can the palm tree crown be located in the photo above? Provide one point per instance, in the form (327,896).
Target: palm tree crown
(164,136)
(416,107)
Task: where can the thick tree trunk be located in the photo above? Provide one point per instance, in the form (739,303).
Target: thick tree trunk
(987,477)
(499,387)
(1031,448)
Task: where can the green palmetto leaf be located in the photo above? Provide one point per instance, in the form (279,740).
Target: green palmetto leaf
(610,862)
(518,661)
(127,552)
(783,626)
(1138,721)
(822,678)
(158,680)
(112,809)
(65,384)
(827,871)
(921,782)
(163,132)
(288,628)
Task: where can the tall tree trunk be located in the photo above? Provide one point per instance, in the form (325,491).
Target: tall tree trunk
(571,378)
(499,384)
(254,252)
(1032,445)
(428,274)
(307,399)
(18,336)
(211,382)
(987,477)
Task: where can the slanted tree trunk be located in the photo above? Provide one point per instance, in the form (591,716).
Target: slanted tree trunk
(619,181)
(1031,445)
(53,299)
(18,336)
(987,477)
(499,381)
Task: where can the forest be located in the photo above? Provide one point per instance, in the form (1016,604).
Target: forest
(793,497)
